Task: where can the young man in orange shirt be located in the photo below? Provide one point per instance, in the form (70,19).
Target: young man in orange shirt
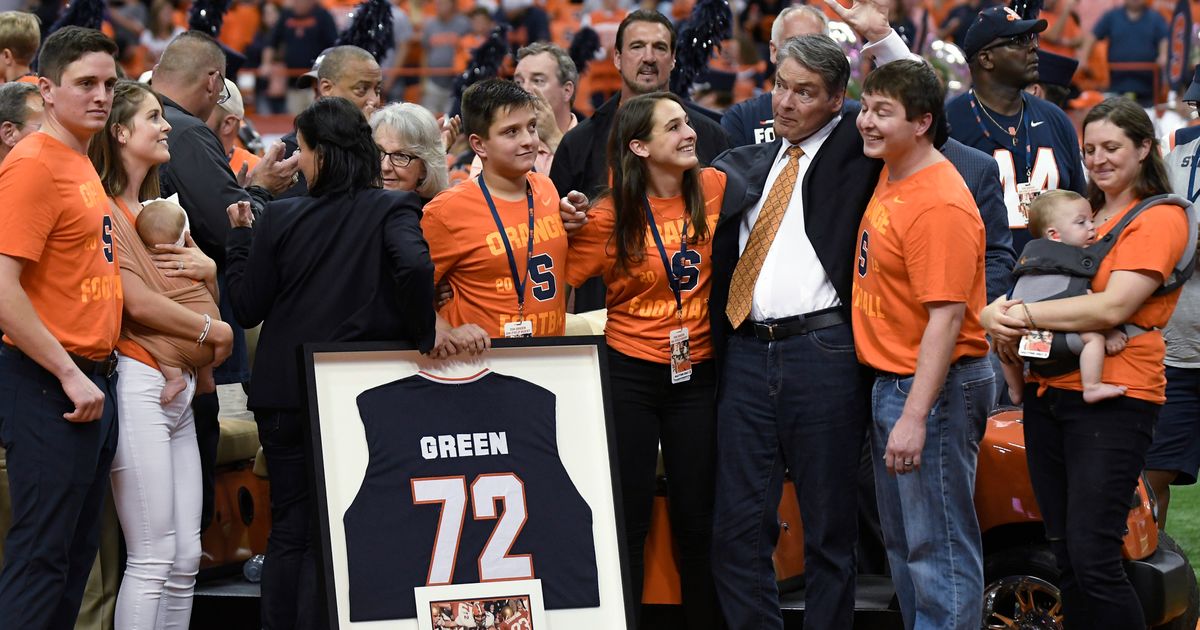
(919,285)
(60,308)
(498,240)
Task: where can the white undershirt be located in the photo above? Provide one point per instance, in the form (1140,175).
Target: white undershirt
(792,280)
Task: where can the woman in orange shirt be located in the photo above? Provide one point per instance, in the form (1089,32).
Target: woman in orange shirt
(1084,459)
(650,237)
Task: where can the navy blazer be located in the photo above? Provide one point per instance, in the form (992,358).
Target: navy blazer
(982,177)
(836,189)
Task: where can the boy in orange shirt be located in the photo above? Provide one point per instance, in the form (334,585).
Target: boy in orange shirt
(60,309)
(498,240)
(918,289)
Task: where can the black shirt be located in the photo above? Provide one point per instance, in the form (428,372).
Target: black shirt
(327,269)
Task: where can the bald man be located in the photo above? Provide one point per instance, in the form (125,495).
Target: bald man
(346,71)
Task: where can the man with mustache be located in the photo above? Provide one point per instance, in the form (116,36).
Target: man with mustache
(645,56)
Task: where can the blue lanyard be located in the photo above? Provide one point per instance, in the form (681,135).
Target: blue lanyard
(976,106)
(674,279)
(517,278)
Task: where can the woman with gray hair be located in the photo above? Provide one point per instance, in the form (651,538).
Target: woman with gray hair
(411,149)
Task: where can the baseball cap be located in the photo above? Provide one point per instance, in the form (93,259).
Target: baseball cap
(995,22)
(1193,91)
(310,77)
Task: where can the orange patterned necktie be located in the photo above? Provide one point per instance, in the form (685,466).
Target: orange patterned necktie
(745,275)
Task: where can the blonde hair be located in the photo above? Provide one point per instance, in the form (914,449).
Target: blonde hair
(160,222)
(1045,207)
(20,33)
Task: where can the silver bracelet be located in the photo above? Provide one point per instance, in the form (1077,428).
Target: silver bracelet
(207,326)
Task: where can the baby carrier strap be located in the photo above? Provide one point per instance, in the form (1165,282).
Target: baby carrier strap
(1186,264)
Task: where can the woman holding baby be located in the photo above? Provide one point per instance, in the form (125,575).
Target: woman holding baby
(1085,458)
(171,336)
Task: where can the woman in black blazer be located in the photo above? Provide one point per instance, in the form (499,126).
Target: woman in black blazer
(346,262)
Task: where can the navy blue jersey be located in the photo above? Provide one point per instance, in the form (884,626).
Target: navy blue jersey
(464,485)
(1051,162)
(750,122)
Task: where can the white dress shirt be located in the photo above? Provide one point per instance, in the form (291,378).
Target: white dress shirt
(792,280)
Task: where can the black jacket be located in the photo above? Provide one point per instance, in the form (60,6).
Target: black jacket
(832,210)
(329,269)
(199,171)
(581,161)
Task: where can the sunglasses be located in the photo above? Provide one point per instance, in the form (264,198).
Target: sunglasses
(1026,40)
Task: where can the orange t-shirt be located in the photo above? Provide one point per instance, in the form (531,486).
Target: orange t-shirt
(56,217)
(921,241)
(469,253)
(241,156)
(641,305)
(1151,244)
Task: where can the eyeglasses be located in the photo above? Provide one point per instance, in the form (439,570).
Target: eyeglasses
(1026,40)
(225,95)
(398,159)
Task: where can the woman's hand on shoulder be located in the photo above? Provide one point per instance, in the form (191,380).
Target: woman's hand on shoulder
(186,261)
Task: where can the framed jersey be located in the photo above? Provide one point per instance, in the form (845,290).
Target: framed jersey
(488,471)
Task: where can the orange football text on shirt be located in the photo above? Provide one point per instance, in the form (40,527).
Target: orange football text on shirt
(654,309)
(869,304)
(100,288)
(544,323)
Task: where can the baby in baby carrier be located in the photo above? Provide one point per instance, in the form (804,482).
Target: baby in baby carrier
(1066,217)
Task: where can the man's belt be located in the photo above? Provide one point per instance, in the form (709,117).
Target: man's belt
(106,367)
(776,329)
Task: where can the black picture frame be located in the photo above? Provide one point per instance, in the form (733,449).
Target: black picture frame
(537,349)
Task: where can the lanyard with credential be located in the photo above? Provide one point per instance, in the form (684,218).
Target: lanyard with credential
(517,278)
(673,279)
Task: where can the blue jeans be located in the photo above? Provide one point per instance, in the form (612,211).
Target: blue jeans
(928,516)
(800,403)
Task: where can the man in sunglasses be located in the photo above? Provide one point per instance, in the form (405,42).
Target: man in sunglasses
(1034,143)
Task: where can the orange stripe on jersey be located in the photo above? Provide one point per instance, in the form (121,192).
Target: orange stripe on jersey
(469,254)
(641,305)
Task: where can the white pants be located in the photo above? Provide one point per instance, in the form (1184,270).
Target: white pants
(156,489)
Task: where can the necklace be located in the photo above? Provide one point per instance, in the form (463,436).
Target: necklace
(1012,130)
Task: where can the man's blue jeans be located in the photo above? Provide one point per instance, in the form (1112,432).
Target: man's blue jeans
(799,403)
(928,516)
